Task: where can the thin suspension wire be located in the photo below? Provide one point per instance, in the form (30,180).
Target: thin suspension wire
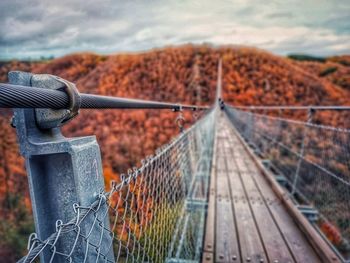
(331,107)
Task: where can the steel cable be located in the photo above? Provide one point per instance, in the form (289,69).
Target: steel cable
(17,96)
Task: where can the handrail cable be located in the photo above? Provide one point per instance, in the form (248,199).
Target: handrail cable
(292,107)
(299,122)
(17,96)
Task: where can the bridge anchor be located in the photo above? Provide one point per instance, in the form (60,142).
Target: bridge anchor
(63,173)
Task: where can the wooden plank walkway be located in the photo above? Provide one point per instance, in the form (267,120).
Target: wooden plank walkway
(246,221)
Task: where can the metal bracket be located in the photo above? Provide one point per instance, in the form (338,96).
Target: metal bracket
(61,171)
(196,205)
(281,180)
(52,118)
(309,212)
(266,163)
(180,120)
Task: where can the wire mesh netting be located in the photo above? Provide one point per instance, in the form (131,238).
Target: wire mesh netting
(155,213)
(314,160)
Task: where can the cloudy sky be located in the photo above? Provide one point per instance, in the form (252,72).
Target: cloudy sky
(34,28)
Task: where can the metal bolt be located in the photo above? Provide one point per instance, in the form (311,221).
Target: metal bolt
(12,122)
(208,257)
(234,257)
(261,260)
(248,259)
(221,256)
(276,261)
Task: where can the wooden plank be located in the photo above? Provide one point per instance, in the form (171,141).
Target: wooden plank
(221,166)
(276,248)
(231,167)
(299,246)
(242,168)
(252,191)
(226,246)
(237,191)
(267,192)
(229,158)
(222,190)
(249,240)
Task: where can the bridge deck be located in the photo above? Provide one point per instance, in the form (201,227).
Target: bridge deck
(246,221)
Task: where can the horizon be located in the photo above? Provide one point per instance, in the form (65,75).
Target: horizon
(46,29)
(155,49)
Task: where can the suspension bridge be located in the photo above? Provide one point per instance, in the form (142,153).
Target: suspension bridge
(237,186)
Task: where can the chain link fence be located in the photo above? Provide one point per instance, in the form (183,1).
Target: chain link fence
(313,159)
(154,213)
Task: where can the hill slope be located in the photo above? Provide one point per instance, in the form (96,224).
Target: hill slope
(185,74)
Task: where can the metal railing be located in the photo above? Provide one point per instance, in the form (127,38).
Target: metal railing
(313,159)
(156,212)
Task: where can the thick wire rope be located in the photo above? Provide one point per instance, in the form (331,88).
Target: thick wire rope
(17,96)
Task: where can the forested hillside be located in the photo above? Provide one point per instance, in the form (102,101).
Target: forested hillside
(185,74)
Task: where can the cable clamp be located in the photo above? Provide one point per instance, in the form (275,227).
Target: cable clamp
(53,118)
(180,120)
(74,99)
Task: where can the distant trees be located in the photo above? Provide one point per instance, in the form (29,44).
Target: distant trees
(250,77)
(304,57)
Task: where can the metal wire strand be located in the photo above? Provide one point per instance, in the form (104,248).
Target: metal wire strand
(17,96)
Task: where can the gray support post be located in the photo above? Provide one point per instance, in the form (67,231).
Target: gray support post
(302,151)
(61,172)
(252,126)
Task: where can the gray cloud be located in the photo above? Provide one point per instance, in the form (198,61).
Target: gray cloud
(43,27)
(278,15)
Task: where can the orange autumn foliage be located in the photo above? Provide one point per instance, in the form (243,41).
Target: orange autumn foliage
(185,74)
(331,232)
